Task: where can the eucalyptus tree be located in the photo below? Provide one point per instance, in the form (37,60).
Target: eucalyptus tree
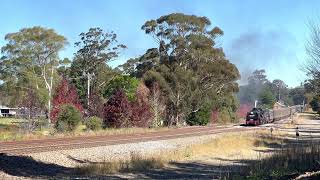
(188,64)
(31,59)
(96,48)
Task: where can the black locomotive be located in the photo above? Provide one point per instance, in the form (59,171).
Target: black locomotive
(258,116)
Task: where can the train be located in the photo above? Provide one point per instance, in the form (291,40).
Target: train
(259,116)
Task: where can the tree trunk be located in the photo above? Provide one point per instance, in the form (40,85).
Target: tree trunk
(49,88)
(88,90)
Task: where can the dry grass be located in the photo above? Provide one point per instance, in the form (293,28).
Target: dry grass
(135,163)
(232,146)
(227,146)
(12,132)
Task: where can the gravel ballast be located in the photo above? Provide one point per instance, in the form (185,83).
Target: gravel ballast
(75,157)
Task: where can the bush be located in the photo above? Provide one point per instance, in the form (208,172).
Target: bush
(126,83)
(225,115)
(117,111)
(315,104)
(141,115)
(201,117)
(68,118)
(93,123)
(65,94)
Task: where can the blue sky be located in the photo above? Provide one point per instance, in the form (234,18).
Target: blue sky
(258,34)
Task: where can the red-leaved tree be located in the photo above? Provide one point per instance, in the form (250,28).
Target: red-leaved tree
(117,110)
(65,94)
(141,115)
(243,109)
(214,116)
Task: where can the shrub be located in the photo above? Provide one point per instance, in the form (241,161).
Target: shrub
(141,115)
(117,111)
(201,117)
(65,94)
(68,118)
(93,123)
(315,104)
(126,83)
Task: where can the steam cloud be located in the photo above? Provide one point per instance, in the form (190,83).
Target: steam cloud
(273,51)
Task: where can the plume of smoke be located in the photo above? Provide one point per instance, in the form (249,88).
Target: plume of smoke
(269,50)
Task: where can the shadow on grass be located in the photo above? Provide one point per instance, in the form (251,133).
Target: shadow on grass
(24,166)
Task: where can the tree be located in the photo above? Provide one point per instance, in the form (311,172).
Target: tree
(68,118)
(297,95)
(315,104)
(30,108)
(279,89)
(158,106)
(65,94)
(187,65)
(141,114)
(125,83)
(201,117)
(96,48)
(117,110)
(31,58)
(63,69)
(249,93)
(266,98)
(258,77)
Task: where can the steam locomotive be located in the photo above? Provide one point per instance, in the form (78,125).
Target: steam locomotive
(258,116)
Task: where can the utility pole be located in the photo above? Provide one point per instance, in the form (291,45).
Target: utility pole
(89,78)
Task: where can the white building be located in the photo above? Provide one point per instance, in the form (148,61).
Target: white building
(6,111)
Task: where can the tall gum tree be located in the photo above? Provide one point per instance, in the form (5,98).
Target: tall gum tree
(96,48)
(190,67)
(31,55)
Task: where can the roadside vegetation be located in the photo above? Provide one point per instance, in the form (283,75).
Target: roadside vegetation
(245,156)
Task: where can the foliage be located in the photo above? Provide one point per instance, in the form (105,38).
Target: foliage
(266,98)
(298,95)
(30,105)
(315,104)
(68,118)
(126,83)
(312,67)
(31,59)
(93,123)
(201,117)
(117,110)
(158,106)
(96,48)
(250,92)
(141,114)
(243,109)
(65,94)
(102,75)
(257,86)
(188,66)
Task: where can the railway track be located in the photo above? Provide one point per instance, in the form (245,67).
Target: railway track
(55,144)
(46,145)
